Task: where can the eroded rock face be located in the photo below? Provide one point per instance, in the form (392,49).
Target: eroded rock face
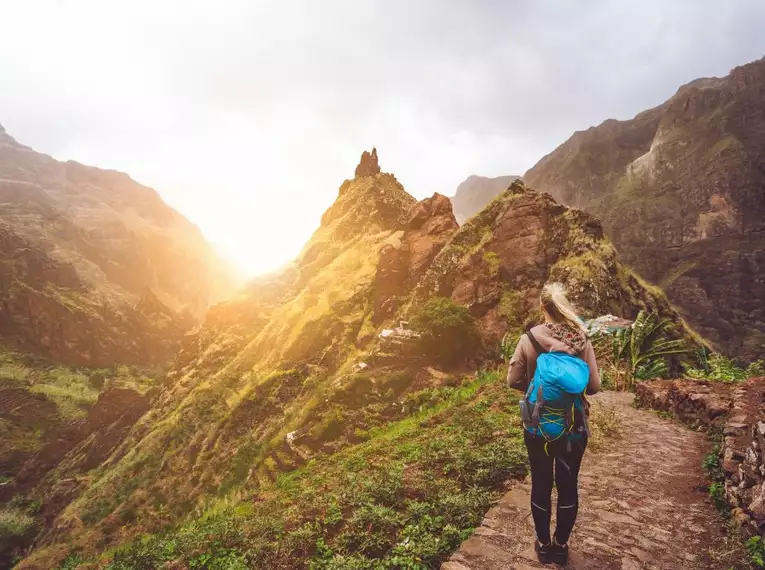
(498,262)
(45,307)
(430,226)
(680,190)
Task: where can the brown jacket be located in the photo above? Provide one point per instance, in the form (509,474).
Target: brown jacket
(524,361)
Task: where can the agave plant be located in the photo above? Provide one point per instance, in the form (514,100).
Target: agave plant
(639,352)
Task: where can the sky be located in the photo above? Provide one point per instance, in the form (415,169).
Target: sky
(246,116)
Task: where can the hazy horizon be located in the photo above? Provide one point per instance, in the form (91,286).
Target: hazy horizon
(248,118)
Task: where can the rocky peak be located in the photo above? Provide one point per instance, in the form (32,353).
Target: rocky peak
(368,165)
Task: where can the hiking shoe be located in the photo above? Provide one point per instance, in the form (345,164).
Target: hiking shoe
(559,553)
(544,552)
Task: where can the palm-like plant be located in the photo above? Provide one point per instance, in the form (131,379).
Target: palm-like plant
(641,351)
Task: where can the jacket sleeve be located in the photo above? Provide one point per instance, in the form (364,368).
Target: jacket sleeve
(516,372)
(593,386)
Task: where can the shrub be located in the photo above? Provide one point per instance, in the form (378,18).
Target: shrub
(448,330)
(756,368)
(717,494)
(756,549)
(718,368)
(712,465)
(71,562)
(15,525)
(329,428)
(371,530)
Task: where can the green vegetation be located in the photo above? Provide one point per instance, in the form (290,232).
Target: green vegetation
(70,390)
(712,465)
(405,498)
(15,525)
(512,309)
(717,493)
(755,546)
(73,390)
(507,346)
(711,366)
(491,259)
(640,352)
(448,330)
(13,372)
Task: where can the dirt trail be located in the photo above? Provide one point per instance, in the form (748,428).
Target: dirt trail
(643,505)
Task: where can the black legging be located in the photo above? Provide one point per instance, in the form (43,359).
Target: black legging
(566,468)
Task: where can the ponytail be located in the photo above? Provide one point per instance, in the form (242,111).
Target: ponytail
(557,305)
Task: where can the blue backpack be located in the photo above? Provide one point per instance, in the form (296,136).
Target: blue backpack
(556,395)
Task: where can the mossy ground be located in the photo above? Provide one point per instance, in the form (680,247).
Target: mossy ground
(73,390)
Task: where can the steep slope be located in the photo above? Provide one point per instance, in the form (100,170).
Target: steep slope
(290,404)
(475,193)
(96,268)
(681,191)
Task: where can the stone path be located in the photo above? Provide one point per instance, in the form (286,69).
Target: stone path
(643,505)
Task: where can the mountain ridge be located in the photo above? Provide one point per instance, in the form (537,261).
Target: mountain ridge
(119,238)
(680,191)
(475,192)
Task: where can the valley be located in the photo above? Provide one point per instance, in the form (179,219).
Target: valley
(350,411)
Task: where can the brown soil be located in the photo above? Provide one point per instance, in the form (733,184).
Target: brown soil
(26,408)
(643,505)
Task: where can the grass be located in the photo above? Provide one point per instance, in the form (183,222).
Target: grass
(73,390)
(404,498)
(13,372)
(70,390)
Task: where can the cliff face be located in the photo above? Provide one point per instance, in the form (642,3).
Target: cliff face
(295,368)
(681,192)
(96,268)
(475,193)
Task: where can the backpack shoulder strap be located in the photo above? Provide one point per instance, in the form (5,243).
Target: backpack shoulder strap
(535,344)
(539,350)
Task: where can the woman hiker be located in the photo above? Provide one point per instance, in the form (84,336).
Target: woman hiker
(554,364)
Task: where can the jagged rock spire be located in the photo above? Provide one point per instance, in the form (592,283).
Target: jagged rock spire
(368,165)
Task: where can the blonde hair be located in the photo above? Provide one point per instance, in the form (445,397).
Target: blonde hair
(556,304)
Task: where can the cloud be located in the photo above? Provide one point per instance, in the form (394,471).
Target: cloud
(246,112)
